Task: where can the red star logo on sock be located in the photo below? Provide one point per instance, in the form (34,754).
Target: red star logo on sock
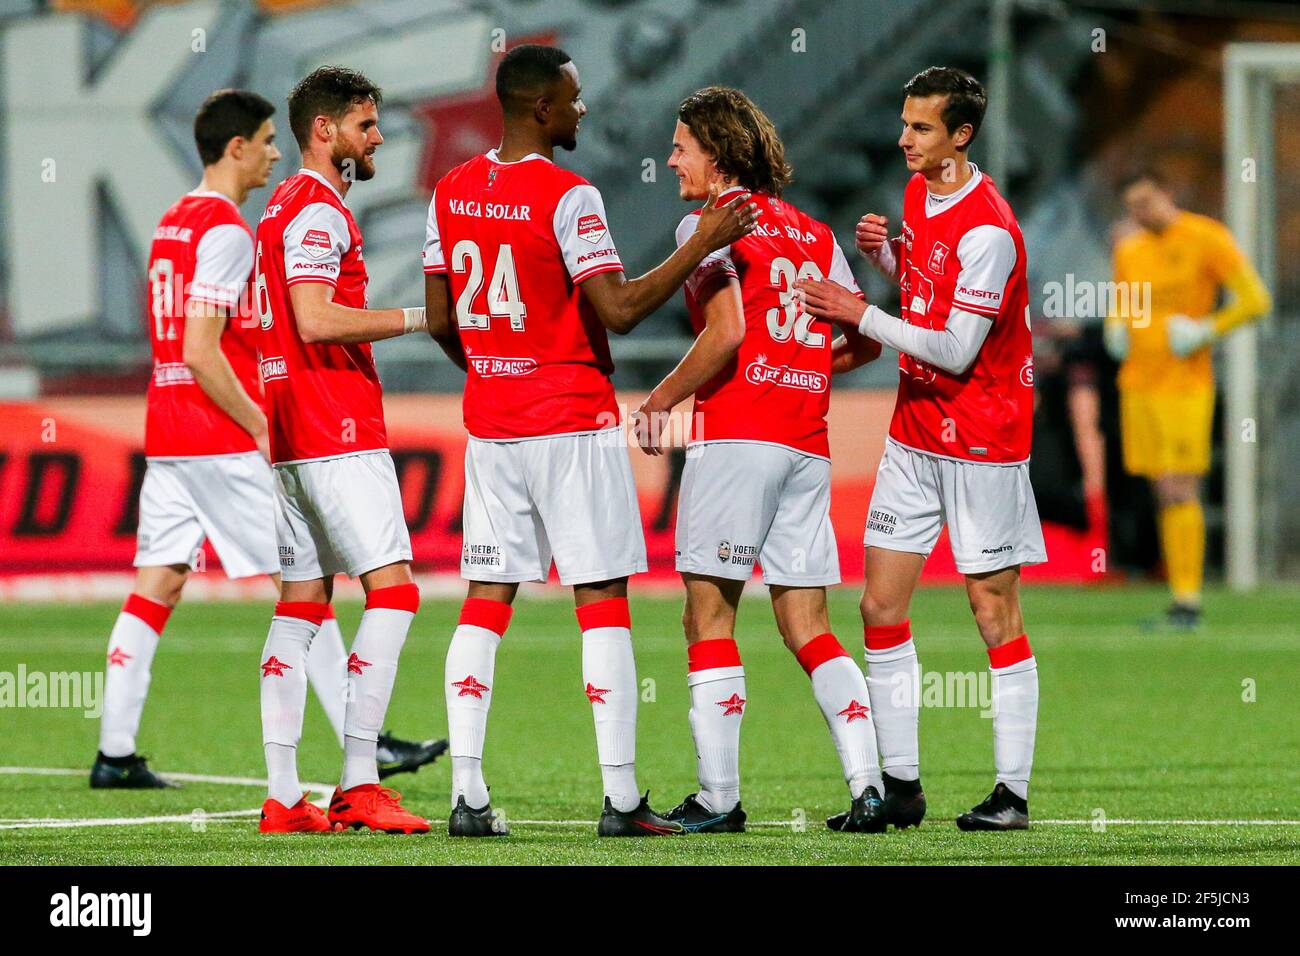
(118,657)
(854,711)
(355,664)
(735,704)
(470,687)
(274,667)
(596,694)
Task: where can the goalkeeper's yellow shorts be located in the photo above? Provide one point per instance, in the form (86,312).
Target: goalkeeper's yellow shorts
(1166,433)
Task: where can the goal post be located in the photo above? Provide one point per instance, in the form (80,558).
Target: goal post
(1252,72)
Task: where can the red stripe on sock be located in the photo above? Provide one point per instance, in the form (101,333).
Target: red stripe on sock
(611,612)
(313,611)
(822,648)
(148,610)
(1012,652)
(716,652)
(399,597)
(482,612)
(329,612)
(881,637)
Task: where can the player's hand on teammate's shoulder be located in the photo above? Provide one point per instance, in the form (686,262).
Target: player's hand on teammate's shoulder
(872,233)
(722,224)
(829,300)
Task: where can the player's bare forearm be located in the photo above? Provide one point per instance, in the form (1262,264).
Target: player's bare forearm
(852,350)
(323,321)
(212,370)
(724,331)
(442,323)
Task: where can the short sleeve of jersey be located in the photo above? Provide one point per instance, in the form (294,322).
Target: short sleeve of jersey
(841,273)
(314,244)
(717,263)
(433,258)
(582,230)
(223,262)
(987,255)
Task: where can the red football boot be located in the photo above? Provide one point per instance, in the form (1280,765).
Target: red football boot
(302,817)
(376,807)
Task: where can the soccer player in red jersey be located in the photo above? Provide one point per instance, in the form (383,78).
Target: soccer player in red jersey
(523,281)
(958,446)
(338,506)
(206,436)
(757,483)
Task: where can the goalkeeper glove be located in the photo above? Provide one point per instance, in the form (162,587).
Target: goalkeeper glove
(1115,337)
(1188,336)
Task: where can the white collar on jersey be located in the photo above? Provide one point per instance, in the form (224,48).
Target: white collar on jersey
(211,194)
(937,204)
(492,155)
(321,179)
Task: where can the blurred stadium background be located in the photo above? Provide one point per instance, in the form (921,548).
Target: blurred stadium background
(97,98)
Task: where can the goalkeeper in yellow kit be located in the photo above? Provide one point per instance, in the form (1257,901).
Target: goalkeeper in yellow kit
(1179,261)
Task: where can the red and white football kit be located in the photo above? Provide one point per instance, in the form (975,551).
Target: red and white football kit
(958,446)
(756,486)
(547,473)
(204,477)
(340,507)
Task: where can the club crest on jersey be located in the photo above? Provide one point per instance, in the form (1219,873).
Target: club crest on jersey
(591,229)
(938,256)
(724,551)
(760,373)
(317,243)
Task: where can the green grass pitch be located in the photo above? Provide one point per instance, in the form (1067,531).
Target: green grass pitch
(1132,727)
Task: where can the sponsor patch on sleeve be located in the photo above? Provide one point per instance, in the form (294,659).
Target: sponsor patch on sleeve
(591,228)
(317,243)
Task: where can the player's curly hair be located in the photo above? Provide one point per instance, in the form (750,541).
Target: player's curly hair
(328,91)
(739,136)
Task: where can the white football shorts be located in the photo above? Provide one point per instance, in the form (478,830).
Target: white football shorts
(567,498)
(743,502)
(226,499)
(339,515)
(989,509)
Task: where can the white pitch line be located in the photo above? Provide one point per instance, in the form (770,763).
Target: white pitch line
(228,816)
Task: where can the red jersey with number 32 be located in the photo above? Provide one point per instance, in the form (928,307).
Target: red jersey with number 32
(323,400)
(202,251)
(965,251)
(515,241)
(777,388)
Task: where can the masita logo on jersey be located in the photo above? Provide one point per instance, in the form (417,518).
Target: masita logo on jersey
(760,373)
(493,366)
(591,228)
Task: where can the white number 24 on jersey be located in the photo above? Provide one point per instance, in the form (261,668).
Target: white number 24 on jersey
(788,318)
(502,292)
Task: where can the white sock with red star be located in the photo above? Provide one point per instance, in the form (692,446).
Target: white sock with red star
(609,679)
(894,682)
(131,647)
(284,693)
(1015,713)
(841,693)
(468,680)
(372,669)
(717,682)
(327,671)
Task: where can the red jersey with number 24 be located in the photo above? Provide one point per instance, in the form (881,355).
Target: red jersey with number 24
(777,388)
(323,400)
(965,251)
(515,241)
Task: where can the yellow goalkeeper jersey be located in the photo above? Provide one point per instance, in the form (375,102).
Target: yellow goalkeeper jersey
(1183,267)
